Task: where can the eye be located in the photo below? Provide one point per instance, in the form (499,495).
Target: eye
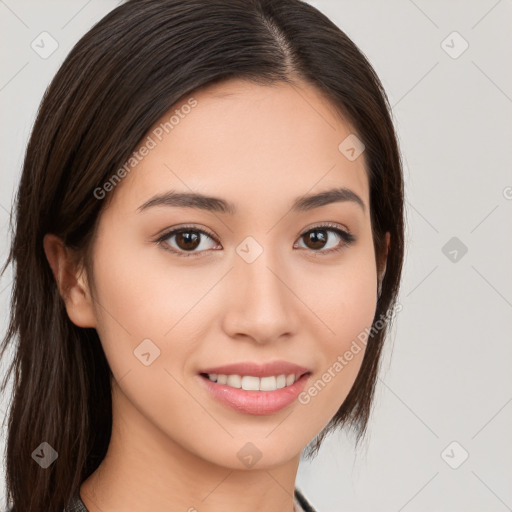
(186,240)
(317,239)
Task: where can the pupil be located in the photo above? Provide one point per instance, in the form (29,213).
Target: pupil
(318,241)
(187,240)
(190,240)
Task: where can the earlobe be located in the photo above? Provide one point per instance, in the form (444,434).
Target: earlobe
(70,280)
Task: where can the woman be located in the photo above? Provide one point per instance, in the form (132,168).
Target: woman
(208,247)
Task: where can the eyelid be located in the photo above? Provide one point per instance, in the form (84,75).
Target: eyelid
(168,233)
(320,225)
(342,231)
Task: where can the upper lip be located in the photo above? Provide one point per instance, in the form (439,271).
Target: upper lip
(258,370)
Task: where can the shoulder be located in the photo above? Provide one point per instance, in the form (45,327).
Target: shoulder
(303,502)
(76,505)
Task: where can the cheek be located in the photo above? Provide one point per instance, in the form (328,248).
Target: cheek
(346,303)
(347,306)
(344,299)
(141,297)
(132,304)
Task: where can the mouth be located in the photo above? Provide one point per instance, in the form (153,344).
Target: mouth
(252,382)
(255,389)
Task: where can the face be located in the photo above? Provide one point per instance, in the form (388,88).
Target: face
(260,278)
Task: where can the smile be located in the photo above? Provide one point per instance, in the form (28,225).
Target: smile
(251,401)
(252,383)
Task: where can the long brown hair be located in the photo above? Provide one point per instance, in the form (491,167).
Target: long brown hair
(117,81)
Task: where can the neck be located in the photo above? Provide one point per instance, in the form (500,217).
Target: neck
(145,470)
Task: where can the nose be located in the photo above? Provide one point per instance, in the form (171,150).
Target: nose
(261,305)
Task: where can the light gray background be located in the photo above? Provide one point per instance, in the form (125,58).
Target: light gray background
(448,377)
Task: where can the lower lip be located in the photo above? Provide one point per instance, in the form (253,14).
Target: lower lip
(255,402)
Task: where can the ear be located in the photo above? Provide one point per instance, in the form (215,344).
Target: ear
(381,270)
(71,281)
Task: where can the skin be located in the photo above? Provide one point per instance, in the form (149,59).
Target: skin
(173,446)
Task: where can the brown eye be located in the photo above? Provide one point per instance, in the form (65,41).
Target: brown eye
(322,240)
(315,239)
(186,241)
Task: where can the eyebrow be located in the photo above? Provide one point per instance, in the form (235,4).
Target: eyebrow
(218,205)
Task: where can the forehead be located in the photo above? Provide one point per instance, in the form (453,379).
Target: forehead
(249,142)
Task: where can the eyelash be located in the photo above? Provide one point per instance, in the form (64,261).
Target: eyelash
(347,238)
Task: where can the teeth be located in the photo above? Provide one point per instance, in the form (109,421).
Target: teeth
(235,381)
(281,381)
(251,383)
(266,383)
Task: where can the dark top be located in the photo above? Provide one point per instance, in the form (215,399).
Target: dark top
(300,503)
